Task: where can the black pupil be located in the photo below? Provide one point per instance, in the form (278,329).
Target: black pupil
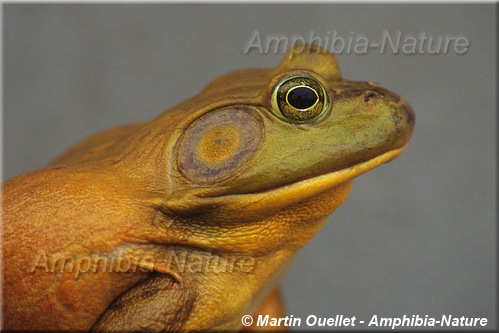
(302,97)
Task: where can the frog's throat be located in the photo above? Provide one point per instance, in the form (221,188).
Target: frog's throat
(274,198)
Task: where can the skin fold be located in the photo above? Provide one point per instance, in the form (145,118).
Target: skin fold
(190,220)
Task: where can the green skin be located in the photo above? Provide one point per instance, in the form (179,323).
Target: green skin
(124,191)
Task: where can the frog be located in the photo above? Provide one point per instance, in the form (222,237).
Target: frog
(204,207)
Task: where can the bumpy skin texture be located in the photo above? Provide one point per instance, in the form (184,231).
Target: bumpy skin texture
(194,186)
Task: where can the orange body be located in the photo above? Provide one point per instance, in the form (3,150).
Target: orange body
(190,220)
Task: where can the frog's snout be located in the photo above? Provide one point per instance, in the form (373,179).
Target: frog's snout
(402,108)
(409,113)
(399,112)
(403,120)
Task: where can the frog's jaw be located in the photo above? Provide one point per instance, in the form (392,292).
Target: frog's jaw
(308,188)
(253,206)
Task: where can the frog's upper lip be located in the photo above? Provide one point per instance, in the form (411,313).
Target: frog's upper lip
(271,198)
(312,186)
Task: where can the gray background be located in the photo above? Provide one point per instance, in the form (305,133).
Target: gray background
(416,236)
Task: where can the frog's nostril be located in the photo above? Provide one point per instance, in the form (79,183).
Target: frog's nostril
(370,95)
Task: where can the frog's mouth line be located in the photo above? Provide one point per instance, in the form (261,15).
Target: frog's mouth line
(313,186)
(272,198)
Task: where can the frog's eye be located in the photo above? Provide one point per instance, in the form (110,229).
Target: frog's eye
(218,144)
(299,99)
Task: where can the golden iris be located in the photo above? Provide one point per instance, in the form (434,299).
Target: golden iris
(299,99)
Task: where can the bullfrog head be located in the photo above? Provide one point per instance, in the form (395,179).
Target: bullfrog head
(244,174)
(271,138)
